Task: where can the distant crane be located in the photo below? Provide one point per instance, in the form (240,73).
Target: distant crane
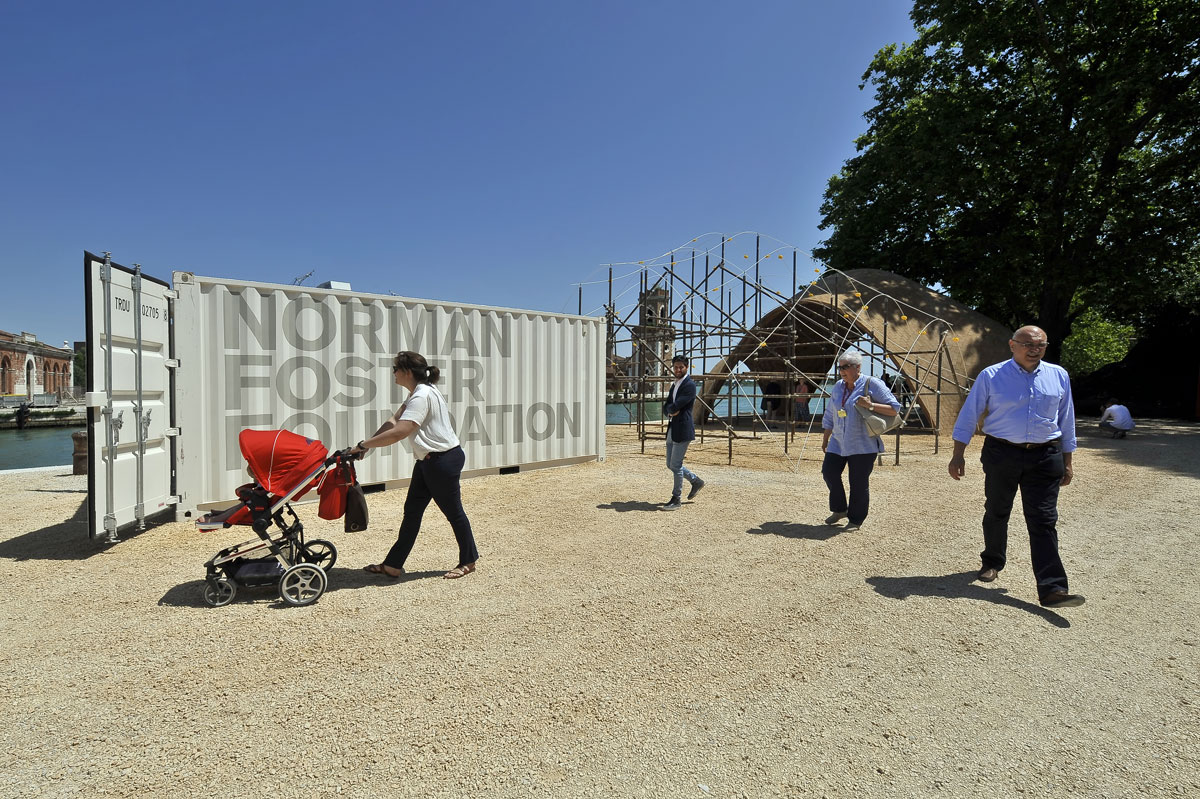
(300,280)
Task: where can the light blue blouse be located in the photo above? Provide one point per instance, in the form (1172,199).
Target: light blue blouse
(1022,407)
(850,436)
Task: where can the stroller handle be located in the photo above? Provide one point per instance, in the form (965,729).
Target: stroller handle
(343,455)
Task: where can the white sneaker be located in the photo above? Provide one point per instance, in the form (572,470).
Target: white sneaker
(834,518)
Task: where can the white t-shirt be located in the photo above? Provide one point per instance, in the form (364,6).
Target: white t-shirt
(675,388)
(427,407)
(1119,416)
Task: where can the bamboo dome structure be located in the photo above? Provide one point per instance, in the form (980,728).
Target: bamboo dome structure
(932,345)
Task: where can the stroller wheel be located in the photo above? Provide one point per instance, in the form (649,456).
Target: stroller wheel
(219,592)
(320,553)
(302,584)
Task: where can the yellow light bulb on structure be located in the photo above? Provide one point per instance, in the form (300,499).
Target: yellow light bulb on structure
(858,294)
(922,332)
(955,338)
(903,318)
(865,307)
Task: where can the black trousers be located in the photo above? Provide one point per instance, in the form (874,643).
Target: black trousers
(1037,473)
(861,467)
(437,479)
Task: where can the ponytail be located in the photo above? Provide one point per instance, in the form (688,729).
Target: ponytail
(414,362)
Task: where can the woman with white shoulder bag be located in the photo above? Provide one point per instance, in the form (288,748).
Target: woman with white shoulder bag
(849,443)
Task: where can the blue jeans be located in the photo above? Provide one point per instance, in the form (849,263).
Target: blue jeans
(436,479)
(675,452)
(861,467)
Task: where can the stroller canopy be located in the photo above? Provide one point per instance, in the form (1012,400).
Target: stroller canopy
(279,460)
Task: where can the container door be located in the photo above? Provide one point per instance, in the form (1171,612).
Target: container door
(129,381)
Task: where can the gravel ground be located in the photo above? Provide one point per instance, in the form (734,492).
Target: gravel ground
(736,647)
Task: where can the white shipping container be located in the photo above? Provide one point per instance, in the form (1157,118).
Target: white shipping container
(525,389)
(128,395)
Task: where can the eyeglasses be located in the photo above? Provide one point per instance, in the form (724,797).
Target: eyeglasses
(845,366)
(1031,345)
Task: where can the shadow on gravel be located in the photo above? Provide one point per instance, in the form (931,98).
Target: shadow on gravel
(811,532)
(1162,444)
(66,540)
(191,593)
(187,595)
(625,507)
(960,585)
(345,579)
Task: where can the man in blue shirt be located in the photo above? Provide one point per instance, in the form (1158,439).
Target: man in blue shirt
(1029,434)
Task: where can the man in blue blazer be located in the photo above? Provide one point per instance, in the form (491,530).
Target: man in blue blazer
(680,431)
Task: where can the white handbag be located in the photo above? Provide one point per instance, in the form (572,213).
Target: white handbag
(876,423)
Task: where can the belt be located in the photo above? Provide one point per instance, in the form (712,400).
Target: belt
(1027,445)
(431,455)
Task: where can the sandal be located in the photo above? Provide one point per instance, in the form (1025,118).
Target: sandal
(459,571)
(379,568)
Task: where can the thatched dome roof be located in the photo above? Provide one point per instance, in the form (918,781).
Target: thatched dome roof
(937,344)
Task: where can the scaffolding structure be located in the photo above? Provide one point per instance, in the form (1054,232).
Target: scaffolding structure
(763,359)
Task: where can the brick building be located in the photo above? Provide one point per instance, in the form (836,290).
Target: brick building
(29,367)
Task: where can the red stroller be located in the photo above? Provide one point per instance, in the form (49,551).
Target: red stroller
(285,467)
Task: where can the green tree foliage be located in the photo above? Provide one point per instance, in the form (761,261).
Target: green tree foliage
(1023,153)
(1095,342)
(79,368)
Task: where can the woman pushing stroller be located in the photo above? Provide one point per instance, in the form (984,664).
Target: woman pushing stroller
(438,469)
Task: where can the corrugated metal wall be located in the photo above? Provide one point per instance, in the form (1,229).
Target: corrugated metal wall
(525,388)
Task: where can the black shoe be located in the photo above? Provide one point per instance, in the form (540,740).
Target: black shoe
(988,575)
(696,486)
(1061,599)
(672,504)
(1122,434)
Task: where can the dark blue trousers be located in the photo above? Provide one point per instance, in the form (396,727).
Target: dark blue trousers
(861,467)
(1037,473)
(437,479)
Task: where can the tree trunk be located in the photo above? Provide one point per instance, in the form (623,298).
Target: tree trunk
(1054,318)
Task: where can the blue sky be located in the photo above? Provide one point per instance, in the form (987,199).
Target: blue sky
(479,152)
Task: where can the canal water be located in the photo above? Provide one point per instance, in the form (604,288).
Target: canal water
(36,446)
(622,413)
